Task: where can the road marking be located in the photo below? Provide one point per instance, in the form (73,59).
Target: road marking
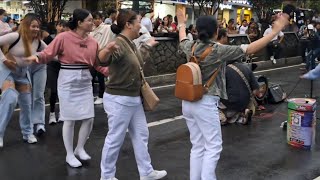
(46,105)
(286,67)
(318,178)
(164,121)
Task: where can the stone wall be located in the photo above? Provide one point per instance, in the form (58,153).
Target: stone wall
(165,57)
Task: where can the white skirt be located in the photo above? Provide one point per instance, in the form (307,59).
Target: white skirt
(75,93)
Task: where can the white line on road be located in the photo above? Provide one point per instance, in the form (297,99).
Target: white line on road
(164,121)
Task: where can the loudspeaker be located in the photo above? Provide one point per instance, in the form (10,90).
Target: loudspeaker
(276,94)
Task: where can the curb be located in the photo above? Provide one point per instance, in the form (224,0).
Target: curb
(166,79)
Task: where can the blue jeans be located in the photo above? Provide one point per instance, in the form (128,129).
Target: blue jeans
(312,55)
(8,102)
(38,75)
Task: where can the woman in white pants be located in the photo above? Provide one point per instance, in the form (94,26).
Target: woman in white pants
(122,101)
(202,117)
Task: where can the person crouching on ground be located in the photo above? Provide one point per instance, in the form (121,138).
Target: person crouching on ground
(202,117)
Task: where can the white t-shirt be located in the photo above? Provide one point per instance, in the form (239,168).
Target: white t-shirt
(242,29)
(146,22)
(269,30)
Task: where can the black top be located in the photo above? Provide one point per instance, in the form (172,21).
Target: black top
(237,91)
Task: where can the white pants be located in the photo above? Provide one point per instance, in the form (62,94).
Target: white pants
(202,118)
(121,118)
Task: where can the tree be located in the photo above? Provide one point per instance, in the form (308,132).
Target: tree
(48,10)
(207,7)
(312,4)
(264,7)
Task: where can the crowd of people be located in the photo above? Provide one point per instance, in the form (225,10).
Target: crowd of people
(116,48)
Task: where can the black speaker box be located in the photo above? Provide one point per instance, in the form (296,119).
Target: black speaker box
(276,94)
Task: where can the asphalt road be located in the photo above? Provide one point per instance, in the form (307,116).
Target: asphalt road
(257,151)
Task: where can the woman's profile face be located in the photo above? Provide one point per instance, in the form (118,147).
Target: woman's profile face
(86,24)
(135,26)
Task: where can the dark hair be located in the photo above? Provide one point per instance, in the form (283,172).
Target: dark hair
(125,15)
(8,19)
(2,11)
(206,27)
(78,15)
(244,21)
(111,11)
(231,21)
(62,23)
(222,33)
(96,15)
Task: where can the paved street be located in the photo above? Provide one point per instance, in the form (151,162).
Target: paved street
(257,151)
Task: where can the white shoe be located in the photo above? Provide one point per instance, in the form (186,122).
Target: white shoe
(52,118)
(154,175)
(1,142)
(40,129)
(31,139)
(98,101)
(73,161)
(82,154)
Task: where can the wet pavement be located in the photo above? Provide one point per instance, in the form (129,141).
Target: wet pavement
(257,151)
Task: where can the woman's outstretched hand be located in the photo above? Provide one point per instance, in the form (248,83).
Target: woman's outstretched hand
(31,59)
(152,42)
(111,47)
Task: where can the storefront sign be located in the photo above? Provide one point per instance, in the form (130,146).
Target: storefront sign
(225,6)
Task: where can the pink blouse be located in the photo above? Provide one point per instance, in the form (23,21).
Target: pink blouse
(72,49)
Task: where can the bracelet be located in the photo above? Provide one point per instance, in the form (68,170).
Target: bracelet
(180,25)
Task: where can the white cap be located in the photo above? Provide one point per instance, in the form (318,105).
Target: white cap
(310,26)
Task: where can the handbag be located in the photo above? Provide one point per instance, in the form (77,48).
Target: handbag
(149,99)
(253,103)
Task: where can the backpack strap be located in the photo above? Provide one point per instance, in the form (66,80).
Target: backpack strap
(14,43)
(205,53)
(39,46)
(211,80)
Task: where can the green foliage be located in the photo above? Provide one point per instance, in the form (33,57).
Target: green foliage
(313,4)
(48,10)
(206,7)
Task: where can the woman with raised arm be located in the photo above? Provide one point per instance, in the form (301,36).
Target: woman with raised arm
(122,100)
(202,117)
(76,51)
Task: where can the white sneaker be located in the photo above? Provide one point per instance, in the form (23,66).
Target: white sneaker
(31,139)
(154,175)
(40,129)
(274,61)
(1,142)
(52,118)
(73,161)
(98,101)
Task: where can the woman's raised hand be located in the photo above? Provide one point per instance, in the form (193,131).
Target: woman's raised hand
(182,19)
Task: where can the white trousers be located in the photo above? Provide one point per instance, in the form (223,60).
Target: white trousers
(121,118)
(202,118)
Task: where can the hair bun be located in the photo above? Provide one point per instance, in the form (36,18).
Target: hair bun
(115,29)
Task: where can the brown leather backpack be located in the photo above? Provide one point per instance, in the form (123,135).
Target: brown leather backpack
(189,79)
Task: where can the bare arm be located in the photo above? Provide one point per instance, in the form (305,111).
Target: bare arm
(279,24)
